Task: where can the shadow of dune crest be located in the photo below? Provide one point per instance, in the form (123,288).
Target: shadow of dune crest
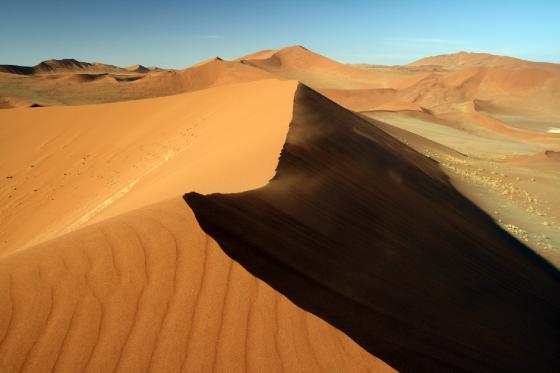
(371,236)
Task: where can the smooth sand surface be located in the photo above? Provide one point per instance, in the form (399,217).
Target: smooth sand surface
(63,166)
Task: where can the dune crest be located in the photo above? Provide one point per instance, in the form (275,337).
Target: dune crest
(320,72)
(120,156)
(434,285)
(303,220)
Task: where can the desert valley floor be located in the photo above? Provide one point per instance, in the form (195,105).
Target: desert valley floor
(281,212)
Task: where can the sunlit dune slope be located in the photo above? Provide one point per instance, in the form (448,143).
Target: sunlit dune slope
(361,230)
(462,60)
(87,86)
(203,75)
(150,291)
(61,167)
(523,91)
(317,71)
(260,55)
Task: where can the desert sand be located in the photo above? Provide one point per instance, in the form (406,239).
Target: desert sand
(149,291)
(114,302)
(411,223)
(320,233)
(78,163)
(70,82)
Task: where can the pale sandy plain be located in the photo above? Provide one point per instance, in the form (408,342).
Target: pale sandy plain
(105,268)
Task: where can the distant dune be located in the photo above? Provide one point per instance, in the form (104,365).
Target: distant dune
(318,71)
(438,83)
(470,59)
(260,55)
(14,102)
(120,84)
(548,156)
(60,66)
(206,74)
(138,69)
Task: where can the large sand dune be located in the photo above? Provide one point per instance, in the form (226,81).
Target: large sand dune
(78,163)
(149,291)
(370,235)
(104,268)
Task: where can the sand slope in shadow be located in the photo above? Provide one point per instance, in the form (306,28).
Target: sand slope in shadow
(364,232)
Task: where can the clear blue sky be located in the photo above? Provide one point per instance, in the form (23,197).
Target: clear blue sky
(174,33)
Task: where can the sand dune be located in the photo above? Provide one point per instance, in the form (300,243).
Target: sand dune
(77,163)
(508,85)
(546,157)
(400,106)
(203,75)
(320,72)
(149,291)
(361,99)
(14,102)
(433,286)
(496,88)
(138,69)
(68,88)
(105,268)
(462,60)
(419,143)
(260,55)
(61,66)
(511,90)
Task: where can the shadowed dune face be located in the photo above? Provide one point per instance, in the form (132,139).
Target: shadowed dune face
(369,235)
(150,291)
(354,227)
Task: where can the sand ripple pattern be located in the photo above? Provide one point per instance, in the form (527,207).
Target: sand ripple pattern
(150,292)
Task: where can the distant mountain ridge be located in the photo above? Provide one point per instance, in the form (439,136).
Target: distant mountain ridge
(72,65)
